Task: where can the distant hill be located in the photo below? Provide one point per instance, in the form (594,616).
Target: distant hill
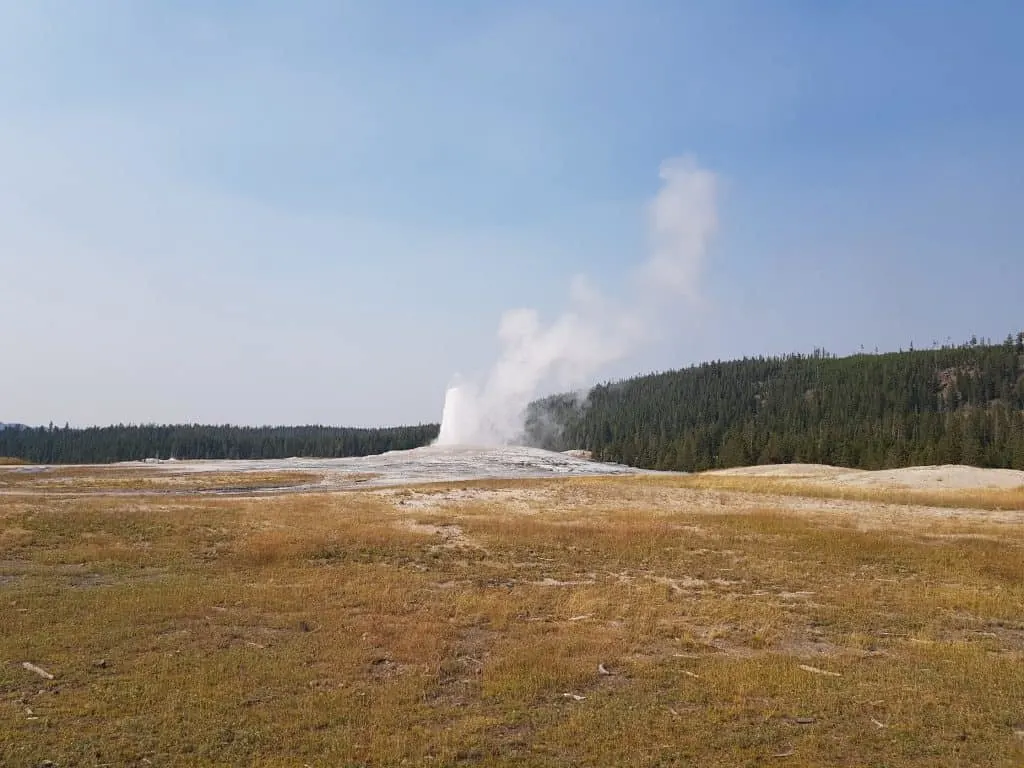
(957,404)
(5,425)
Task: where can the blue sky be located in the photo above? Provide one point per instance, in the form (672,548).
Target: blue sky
(260,212)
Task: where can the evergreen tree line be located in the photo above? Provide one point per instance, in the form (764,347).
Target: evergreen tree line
(97,445)
(955,404)
(962,404)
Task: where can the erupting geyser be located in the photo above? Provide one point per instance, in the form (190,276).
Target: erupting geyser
(594,330)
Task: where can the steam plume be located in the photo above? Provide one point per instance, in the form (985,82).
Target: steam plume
(594,330)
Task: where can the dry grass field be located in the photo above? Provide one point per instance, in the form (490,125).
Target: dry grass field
(995,499)
(641,621)
(77,480)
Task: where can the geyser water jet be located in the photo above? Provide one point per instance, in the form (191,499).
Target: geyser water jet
(458,421)
(463,422)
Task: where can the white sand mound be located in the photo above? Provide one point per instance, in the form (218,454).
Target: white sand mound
(936,478)
(949,476)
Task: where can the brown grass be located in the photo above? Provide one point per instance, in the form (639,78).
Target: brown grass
(986,498)
(84,479)
(10,461)
(351,629)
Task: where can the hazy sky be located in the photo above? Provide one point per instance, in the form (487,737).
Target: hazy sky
(270,212)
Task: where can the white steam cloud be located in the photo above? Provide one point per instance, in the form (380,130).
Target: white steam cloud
(594,330)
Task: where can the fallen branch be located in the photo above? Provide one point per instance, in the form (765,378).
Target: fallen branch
(817,671)
(38,670)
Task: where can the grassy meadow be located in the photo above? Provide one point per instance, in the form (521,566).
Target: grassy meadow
(613,621)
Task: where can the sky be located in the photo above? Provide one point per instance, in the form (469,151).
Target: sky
(318,211)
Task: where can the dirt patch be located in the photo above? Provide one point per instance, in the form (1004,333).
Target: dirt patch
(452,536)
(514,500)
